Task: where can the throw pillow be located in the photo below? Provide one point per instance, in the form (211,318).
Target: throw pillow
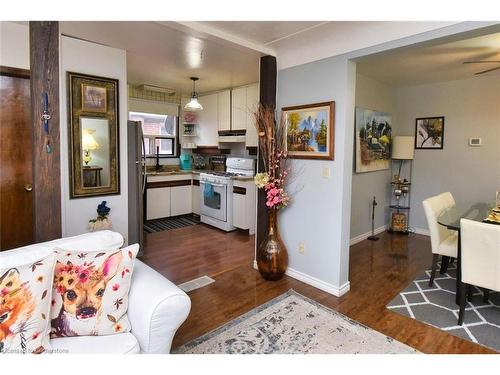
(91,292)
(25,295)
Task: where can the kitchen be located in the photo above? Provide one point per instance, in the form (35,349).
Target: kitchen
(196,169)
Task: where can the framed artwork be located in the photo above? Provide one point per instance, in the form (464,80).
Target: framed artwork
(310,130)
(429,133)
(94,98)
(373,140)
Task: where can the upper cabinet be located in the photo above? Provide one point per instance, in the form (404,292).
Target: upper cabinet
(239,108)
(224,110)
(252,106)
(208,121)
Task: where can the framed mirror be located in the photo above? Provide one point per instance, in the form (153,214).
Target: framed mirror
(93,135)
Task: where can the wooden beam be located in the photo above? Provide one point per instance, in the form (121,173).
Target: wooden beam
(44,67)
(268,73)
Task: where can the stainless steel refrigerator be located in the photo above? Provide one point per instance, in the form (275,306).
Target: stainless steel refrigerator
(136,183)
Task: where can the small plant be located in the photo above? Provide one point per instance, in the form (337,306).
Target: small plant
(101,221)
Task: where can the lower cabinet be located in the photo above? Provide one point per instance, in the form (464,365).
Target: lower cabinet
(158,203)
(196,199)
(180,200)
(244,205)
(240,215)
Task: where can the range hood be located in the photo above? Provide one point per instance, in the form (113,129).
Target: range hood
(232,136)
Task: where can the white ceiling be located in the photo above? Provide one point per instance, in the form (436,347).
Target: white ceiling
(263,32)
(166,56)
(226,53)
(441,62)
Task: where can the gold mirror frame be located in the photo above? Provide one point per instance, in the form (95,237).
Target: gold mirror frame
(78,109)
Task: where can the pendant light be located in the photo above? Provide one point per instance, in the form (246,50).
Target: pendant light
(193,104)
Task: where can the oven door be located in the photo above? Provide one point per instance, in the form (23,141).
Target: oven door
(214,206)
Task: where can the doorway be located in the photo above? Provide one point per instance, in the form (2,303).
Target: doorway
(16,166)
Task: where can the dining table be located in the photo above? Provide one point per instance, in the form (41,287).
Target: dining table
(450,218)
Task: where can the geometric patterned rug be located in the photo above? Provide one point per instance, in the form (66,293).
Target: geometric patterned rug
(436,306)
(293,323)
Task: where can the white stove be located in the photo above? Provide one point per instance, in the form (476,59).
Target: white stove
(216,189)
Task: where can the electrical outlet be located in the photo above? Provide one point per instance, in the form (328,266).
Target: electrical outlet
(302,248)
(326,171)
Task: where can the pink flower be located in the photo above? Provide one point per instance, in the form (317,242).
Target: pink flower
(83,275)
(115,287)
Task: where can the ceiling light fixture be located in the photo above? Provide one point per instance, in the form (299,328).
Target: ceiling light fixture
(193,104)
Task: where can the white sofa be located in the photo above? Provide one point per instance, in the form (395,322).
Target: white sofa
(156,309)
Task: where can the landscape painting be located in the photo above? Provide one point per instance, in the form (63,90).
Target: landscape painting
(94,98)
(429,133)
(373,140)
(310,130)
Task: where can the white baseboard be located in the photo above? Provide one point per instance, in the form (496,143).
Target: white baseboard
(364,236)
(422,231)
(317,283)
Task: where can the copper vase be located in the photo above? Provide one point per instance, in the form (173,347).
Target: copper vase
(272,256)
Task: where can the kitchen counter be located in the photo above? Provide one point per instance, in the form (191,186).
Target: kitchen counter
(194,172)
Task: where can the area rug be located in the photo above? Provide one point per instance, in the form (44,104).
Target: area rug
(436,306)
(159,225)
(292,323)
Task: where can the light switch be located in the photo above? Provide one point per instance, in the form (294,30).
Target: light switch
(326,171)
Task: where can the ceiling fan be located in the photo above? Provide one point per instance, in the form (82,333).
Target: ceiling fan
(485,62)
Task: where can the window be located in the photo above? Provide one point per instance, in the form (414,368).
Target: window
(160,133)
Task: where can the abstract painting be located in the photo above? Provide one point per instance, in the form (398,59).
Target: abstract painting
(373,140)
(310,130)
(429,133)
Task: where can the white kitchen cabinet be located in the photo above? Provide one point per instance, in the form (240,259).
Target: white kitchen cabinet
(224,110)
(208,127)
(180,200)
(240,217)
(158,203)
(239,108)
(244,205)
(196,199)
(252,106)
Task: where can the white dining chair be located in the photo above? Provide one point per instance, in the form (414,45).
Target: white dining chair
(448,199)
(480,259)
(444,242)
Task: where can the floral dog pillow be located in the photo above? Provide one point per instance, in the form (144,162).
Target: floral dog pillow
(90,294)
(25,295)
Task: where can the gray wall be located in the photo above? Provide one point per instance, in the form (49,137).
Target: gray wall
(371,94)
(319,215)
(472,109)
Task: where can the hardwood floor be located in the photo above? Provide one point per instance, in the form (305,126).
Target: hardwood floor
(378,271)
(186,253)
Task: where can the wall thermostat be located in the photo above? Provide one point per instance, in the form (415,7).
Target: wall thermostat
(475,142)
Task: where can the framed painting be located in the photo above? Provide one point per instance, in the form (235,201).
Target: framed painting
(429,133)
(310,130)
(373,140)
(94,98)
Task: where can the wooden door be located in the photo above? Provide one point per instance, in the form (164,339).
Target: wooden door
(16,178)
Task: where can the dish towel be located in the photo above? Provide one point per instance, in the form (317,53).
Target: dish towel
(208,191)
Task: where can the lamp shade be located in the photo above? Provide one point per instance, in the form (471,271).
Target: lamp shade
(88,140)
(403,147)
(193,105)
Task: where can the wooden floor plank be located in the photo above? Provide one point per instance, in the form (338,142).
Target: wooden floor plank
(378,272)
